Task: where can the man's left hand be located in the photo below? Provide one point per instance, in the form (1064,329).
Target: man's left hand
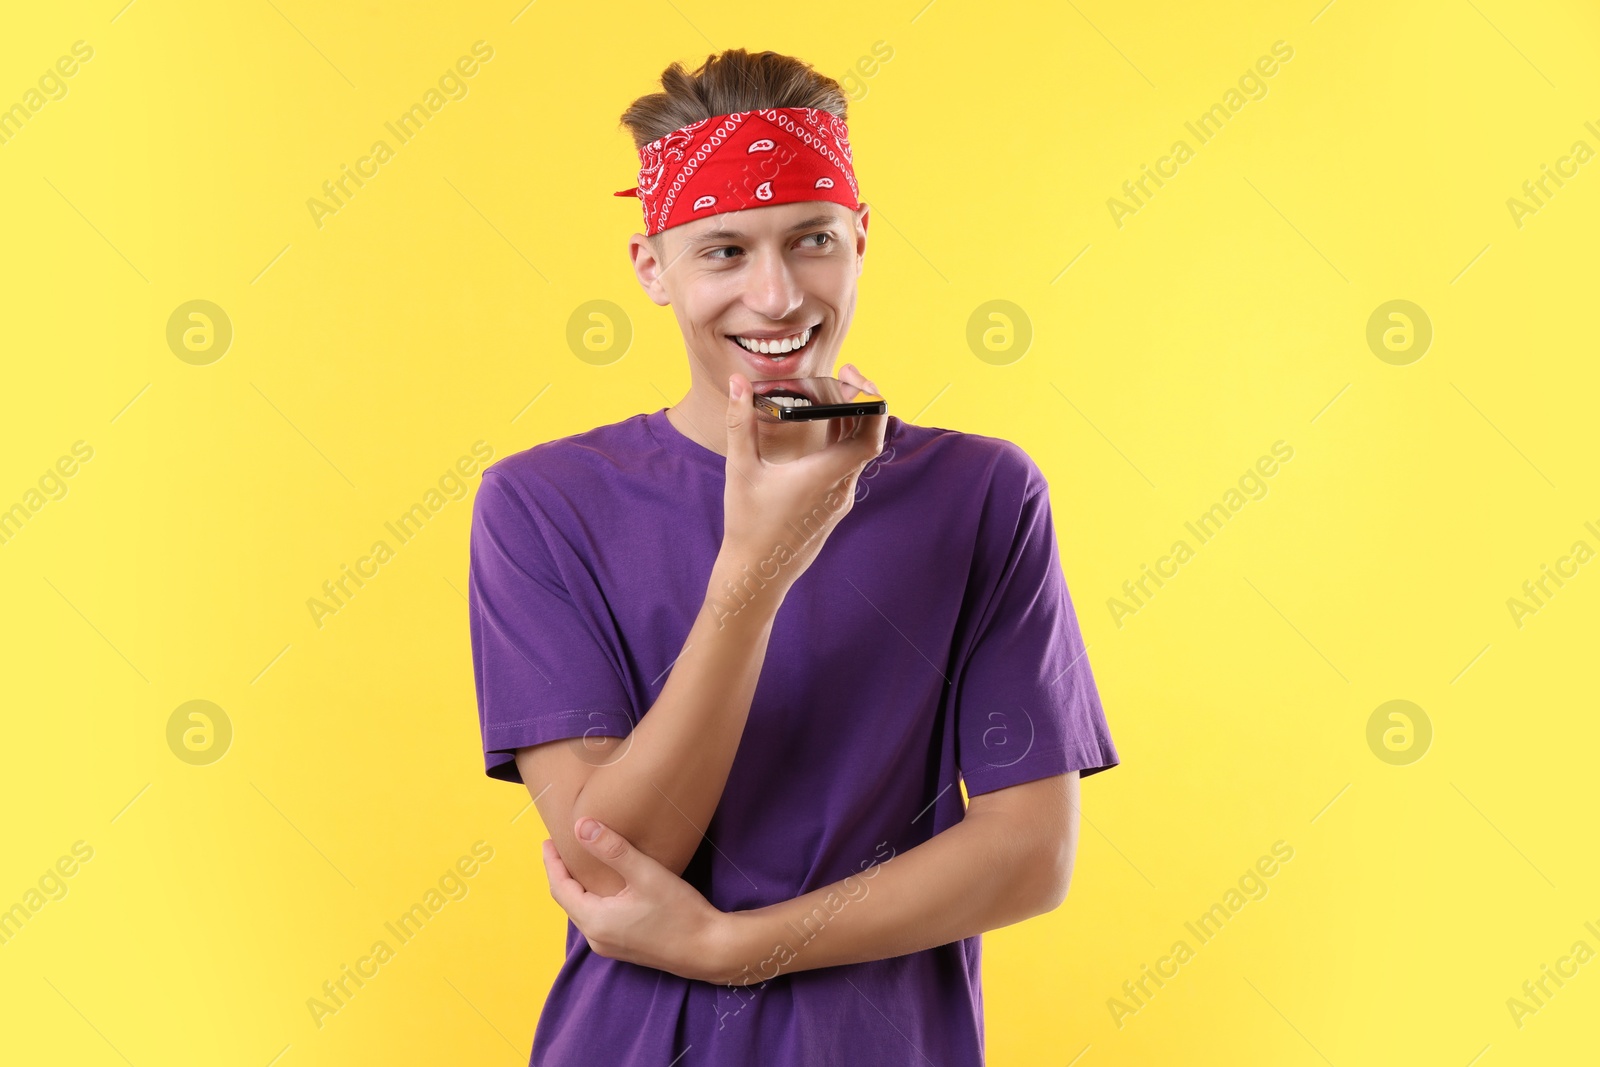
(657,919)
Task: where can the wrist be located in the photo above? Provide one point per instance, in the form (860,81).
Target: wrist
(731,948)
(744,584)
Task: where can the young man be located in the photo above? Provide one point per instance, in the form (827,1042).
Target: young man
(758,660)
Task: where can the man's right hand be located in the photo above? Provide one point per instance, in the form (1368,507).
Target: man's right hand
(765,504)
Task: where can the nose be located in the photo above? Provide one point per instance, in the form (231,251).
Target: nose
(773,289)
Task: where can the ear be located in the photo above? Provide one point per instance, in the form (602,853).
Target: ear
(647,267)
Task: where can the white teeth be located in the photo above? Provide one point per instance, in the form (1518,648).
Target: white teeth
(778,347)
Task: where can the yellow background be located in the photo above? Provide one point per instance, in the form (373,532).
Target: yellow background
(1229,312)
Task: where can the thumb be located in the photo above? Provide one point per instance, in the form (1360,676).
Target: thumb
(742,432)
(611,848)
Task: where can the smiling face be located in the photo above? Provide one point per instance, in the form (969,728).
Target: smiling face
(781,277)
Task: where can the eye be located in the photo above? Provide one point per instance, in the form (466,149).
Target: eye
(822,233)
(712,254)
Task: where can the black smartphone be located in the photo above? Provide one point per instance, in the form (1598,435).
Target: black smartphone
(801,399)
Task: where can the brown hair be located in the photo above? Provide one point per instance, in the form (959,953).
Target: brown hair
(736,80)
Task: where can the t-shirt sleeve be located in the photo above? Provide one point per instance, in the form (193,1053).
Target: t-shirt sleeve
(541,668)
(1026,702)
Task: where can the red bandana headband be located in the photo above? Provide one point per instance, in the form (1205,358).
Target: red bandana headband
(742,160)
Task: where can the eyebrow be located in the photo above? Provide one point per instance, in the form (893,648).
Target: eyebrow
(736,235)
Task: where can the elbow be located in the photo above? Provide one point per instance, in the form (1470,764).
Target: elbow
(593,874)
(1037,887)
(580,808)
(1047,887)
(1052,864)
(1056,893)
(671,854)
(584,805)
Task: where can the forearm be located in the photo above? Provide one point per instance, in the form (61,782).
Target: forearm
(979,875)
(661,789)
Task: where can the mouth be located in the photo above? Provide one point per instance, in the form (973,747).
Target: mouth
(783,394)
(781,352)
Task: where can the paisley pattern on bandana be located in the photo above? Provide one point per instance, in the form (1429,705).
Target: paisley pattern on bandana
(654,156)
(745,159)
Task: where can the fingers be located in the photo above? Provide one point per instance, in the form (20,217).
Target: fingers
(742,451)
(851,375)
(876,428)
(865,436)
(567,890)
(867,430)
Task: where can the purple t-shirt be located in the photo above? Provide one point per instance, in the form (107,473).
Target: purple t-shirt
(931,638)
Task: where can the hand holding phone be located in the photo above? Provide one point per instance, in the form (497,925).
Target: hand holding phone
(776,516)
